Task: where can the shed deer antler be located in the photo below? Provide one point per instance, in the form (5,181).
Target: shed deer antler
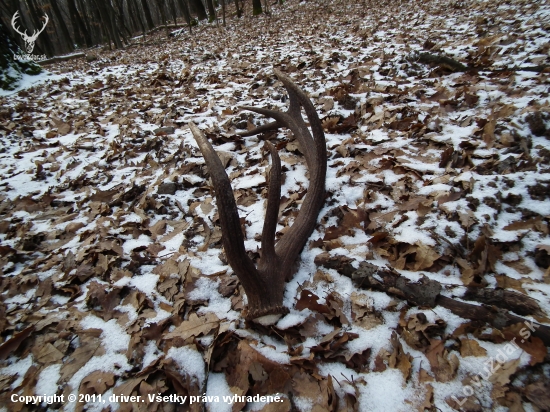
(264,286)
(29,40)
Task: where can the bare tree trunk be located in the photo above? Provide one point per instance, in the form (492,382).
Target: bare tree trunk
(118,14)
(256,7)
(211,10)
(148,17)
(174,12)
(44,42)
(199,9)
(66,38)
(135,14)
(109,23)
(81,34)
(160,5)
(223,12)
(186,14)
(88,15)
(238,9)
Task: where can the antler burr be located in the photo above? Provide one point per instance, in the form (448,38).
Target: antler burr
(264,285)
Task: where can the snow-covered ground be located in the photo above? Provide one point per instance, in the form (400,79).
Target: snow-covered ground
(112,274)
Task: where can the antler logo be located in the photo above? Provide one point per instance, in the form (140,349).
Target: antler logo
(29,40)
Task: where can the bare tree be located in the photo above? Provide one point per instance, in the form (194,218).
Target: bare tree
(211,10)
(148,17)
(256,7)
(186,14)
(81,33)
(198,8)
(44,42)
(65,38)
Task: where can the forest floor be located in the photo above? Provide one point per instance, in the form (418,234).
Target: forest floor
(112,274)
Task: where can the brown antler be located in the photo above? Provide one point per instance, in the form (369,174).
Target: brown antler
(264,286)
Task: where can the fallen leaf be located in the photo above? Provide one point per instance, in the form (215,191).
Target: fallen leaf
(194,327)
(470,347)
(13,343)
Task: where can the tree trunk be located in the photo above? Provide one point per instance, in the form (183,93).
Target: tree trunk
(86,15)
(118,15)
(135,12)
(148,17)
(135,19)
(108,21)
(211,10)
(44,42)
(117,22)
(174,12)
(186,14)
(82,36)
(198,8)
(223,12)
(66,39)
(256,7)
(238,9)
(160,5)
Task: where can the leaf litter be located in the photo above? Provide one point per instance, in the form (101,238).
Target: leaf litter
(437,124)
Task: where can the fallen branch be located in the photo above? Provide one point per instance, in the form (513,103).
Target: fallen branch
(426,293)
(442,61)
(61,59)
(448,63)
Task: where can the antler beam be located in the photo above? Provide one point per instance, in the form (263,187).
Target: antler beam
(264,285)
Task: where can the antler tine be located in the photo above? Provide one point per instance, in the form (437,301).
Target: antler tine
(272,209)
(294,106)
(290,245)
(233,241)
(260,129)
(292,118)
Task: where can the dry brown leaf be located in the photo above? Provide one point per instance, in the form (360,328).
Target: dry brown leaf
(425,257)
(539,394)
(523,224)
(62,127)
(170,267)
(500,376)
(97,383)
(427,399)
(443,365)
(13,343)
(49,354)
(471,347)
(489,133)
(194,327)
(399,359)
(80,357)
(521,335)
(158,228)
(309,300)
(519,267)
